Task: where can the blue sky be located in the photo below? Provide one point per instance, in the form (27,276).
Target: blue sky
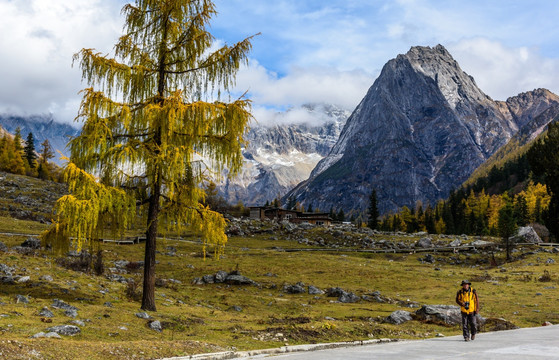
(308,51)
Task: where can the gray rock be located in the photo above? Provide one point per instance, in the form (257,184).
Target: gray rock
(59,304)
(348,297)
(122,264)
(78,322)
(455,243)
(335,292)
(31,243)
(208,279)
(108,304)
(71,313)
(9,280)
(424,243)
(313,290)
(220,276)
(45,312)
(235,308)
(298,288)
(155,325)
(3,247)
(398,317)
(526,234)
(143,315)
(66,330)
(429,259)
(22,279)
(550,261)
(448,314)
(51,335)
(237,279)
(46,278)
(481,243)
(7,270)
(22,299)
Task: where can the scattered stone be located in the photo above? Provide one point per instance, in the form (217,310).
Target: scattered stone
(550,261)
(22,299)
(45,312)
(171,251)
(22,279)
(71,313)
(66,330)
(46,278)
(498,324)
(235,308)
(50,335)
(298,288)
(447,314)
(439,335)
(59,304)
(160,282)
(3,247)
(237,279)
(31,243)
(108,304)
(455,243)
(143,315)
(429,259)
(348,297)
(398,317)
(78,322)
(526,234)
(539,294)
(208,279)
(220,276)
(424,243)
(117,278)
(313,290)
(155,325)
(122,264)
(481,243)
(329,318)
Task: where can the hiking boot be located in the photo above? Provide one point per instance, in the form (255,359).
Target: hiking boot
(473,336)
(466,339)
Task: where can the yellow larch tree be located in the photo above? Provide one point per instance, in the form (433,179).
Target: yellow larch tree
(151,114)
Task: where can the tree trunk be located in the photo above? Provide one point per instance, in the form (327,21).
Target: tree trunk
(148,292)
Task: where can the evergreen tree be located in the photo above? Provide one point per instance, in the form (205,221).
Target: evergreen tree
(310,208)
(29,150)
(373,213)
(507,224)
(145,127)
(291,203)
(521,212)
(544,161)
(341,215)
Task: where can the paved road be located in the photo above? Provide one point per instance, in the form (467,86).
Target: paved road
(529,343)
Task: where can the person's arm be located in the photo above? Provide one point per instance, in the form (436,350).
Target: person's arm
(477,302)
(458,298)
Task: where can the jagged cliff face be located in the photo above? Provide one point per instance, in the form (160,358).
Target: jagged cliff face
(279,157)
(42,127)
(421,130)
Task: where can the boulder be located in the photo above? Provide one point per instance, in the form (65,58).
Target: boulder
(498,324)
(424,243)
(155,325)
(398,317)
(66,330)
(220,276)
(59,304)
(348,297)
(313,290)
(298,288)
(51,335)
(237,279)
(3,247)
(32,243)
(143,315)
(334,292)
(208,279)
(45,312)
(445,314)
(455,243)
(526,234)
(22,299)
(71,313)
(46,278)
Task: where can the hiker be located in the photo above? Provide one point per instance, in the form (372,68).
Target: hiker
(469,306)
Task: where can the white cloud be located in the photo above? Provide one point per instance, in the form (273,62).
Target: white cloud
(38,40)
(502,71)
(304,85)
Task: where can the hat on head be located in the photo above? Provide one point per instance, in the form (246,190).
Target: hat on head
(466,282)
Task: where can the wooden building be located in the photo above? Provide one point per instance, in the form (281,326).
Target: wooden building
(297,217)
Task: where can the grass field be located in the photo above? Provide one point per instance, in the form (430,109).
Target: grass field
(201,318)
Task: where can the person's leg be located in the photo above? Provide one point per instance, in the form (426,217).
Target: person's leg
(473,325)
(465,330)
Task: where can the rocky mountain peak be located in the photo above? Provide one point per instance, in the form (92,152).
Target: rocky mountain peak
(422,128)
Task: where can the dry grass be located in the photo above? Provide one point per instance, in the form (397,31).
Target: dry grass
(198,318)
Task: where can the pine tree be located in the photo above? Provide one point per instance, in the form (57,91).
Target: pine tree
(29,150)
(341,215)
(310,208)
(373,211)
(145,147)
(507,224)
(291,203)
